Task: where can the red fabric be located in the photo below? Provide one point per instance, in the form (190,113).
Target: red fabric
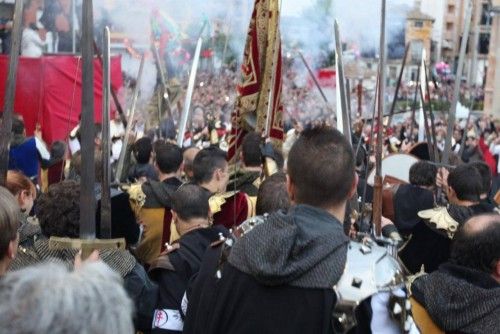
(488,157)
(48,91)
(167,219)
(253,76)
(233,212)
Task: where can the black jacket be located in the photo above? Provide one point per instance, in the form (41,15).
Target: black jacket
(278,278)
(173,273)
(158,193)
(430,248)
(408,201)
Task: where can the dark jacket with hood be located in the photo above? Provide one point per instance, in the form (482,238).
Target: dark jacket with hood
(173,272)
(459,299)
(245,182)
(408,201)
(431,248)
(158,193)
(278,278)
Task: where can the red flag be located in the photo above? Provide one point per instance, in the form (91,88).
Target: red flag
(259,93)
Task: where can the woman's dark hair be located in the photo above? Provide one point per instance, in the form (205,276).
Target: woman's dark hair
(58,210)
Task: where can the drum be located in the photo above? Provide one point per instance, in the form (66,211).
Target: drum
(395,165)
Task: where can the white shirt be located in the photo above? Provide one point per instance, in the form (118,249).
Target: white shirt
(31,44)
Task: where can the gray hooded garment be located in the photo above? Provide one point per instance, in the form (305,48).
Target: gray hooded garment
(305,247)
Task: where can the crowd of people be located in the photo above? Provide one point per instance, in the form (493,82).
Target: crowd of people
(219,248)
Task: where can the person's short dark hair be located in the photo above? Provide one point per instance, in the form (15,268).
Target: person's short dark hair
(168,158)
(272,195)
(76,163)
(321,166)
(477,247)
(17,126)
(250,149)
(97,131)
(466,181)
(423,173)
(142,150)
(58,210)
(57,150)
(157,144)
(190,201)
(206,162)
(9,220)
(485,172)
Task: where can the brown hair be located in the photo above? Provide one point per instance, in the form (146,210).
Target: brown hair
(17,182)
(9,220)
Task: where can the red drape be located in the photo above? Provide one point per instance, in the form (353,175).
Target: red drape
(48,91)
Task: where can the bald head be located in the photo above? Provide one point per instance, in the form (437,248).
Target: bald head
(476,244)
(188,156)
(479,223)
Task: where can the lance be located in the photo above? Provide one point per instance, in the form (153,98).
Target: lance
(106,147)
(313,77)
(377,188)
(342,113)
(431,114)
(128,130)
(163,78)
(430,146)
(464,136)
(396,92)
(118,105)
(189,93)
(10,93)
(87,184)
(370,148)
(456,93)
(414,106)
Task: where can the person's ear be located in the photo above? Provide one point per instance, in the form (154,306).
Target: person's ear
(496,271)
(354,185)
(174,216)
(12,249)
(290,187)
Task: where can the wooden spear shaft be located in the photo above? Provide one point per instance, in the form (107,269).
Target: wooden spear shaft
(456,92)
(377,188)
(106,147)
(398,85)
(10,92)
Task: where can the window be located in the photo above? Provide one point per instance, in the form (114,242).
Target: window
(484,44)
(449,26)
(416,50)
(485,15)
(451,9)
(419,24)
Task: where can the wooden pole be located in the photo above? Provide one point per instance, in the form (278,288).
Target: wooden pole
(10,92)
(377,188)
(400,78)
(106,146)
(87,183)
(456,92)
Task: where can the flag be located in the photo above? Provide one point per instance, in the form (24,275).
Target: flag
(259,92)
